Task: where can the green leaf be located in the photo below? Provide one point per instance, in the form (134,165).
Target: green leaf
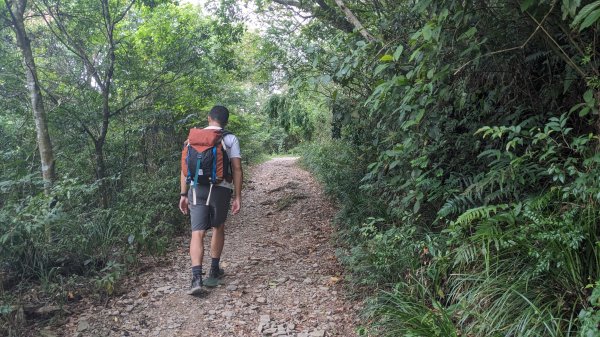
(398,52)
(588,97)
(526,4)
(427,32)
(591,19)
(570,7)
(584,111)
(430,74)
(380,68)
(576,106)
(444,14)
(566,5)
(584,13)
(386,58)
(325,79)
(417,206)
(468,34)
(421,5)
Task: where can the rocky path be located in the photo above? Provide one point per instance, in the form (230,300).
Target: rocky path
(282,278)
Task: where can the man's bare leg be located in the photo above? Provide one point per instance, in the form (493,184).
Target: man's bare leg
(196,255)
(217,241)
(196,247)
(216,248)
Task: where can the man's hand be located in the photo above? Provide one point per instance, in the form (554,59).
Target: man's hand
(183,204)
(236,205)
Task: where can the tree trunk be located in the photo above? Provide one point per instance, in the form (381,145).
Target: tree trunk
(101,173)
(598,121)
(17,10)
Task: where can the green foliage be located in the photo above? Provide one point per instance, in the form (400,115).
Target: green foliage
(404,312)
(82,236)
(293,117)
(338,165)
(476,125)
(171,64)
(590,317)
(110,275)
(386,254)
(254,136)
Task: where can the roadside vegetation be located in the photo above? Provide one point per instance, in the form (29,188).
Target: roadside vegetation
(464,152)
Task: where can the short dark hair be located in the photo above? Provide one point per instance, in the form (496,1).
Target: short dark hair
(220,114)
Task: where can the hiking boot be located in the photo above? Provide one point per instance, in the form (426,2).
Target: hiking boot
(216,273)
(196,287)
(213,277)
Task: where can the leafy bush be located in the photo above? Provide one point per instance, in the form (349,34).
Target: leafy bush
(71,234)
(590,317)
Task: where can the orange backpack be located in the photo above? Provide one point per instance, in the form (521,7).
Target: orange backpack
(204,159)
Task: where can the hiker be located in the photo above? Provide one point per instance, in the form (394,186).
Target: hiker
(210,190)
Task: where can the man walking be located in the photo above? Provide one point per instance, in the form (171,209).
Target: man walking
(207,201)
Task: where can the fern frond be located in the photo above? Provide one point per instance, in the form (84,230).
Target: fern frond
(456,205)
(479,213)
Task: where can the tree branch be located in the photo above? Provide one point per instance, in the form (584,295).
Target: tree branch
(292,3)
(148,93)
(322,11)
(354,21)
(71,44)
(539,25)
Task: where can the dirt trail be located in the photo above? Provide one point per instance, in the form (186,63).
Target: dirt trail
(282,278)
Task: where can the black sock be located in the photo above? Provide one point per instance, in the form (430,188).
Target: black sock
(214,263)
(197,271)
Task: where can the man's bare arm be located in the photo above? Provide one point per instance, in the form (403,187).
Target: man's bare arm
(238,177)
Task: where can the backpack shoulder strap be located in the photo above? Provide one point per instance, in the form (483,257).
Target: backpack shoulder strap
(223,134)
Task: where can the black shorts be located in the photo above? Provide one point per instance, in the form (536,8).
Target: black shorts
(214,214)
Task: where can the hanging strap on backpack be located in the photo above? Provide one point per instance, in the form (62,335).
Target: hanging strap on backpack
(209,193)
(214,165)
(195,183)
(213,174)
(187,159)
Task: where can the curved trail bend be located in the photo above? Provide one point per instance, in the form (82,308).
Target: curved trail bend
(282,278)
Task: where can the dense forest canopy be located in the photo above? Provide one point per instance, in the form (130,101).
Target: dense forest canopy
(460,138)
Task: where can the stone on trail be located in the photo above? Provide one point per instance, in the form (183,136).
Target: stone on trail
(270,331)
(163,289)
(46,332)
(83,325)
(317,333)
(261,300)
(47,310)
